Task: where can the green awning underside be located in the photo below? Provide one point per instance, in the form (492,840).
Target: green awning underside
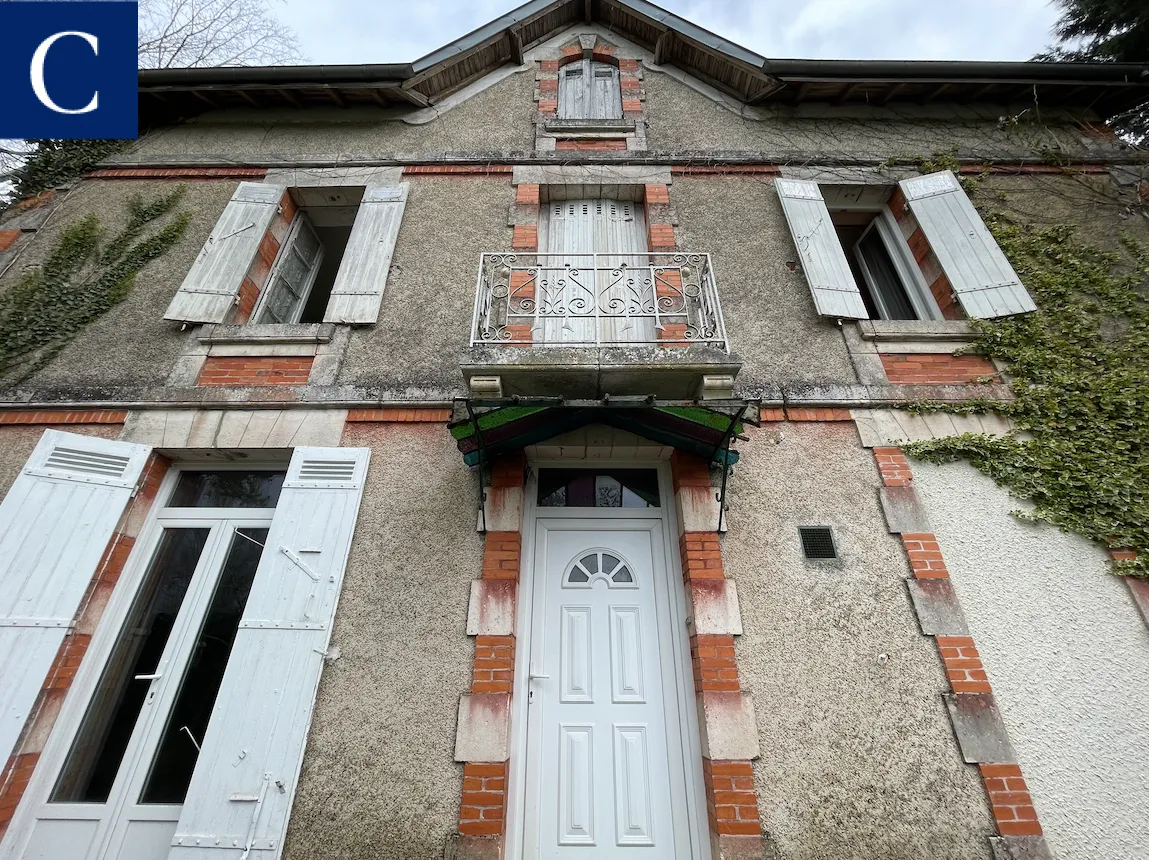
(695,430)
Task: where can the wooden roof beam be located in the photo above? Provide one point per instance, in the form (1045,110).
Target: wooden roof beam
(893,93)
(204,98)
(662,47)
(335,97)
(290,98)
(937,91)
(515,37)
(845,95)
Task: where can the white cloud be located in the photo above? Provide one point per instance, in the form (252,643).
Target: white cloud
(397,31)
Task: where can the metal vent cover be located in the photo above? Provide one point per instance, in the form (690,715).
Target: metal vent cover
(327,470)
(79,462)
(818,542)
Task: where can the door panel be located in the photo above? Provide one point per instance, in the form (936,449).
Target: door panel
(607,779)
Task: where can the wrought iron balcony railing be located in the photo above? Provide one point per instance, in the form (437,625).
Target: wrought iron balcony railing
(667,299)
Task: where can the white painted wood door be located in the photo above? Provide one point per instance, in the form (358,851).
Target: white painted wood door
(604,761)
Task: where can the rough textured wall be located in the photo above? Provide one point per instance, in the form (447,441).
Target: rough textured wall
(680,118)
(770,316)
(379,779)
(1067,654)
(425,320)
(131,344)
(858,756)
(16,444)
(497,119)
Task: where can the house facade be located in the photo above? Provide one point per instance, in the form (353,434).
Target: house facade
(507,463)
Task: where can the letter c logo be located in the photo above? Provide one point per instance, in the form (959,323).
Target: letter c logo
(38,72)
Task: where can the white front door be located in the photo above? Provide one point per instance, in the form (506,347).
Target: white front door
(605,771)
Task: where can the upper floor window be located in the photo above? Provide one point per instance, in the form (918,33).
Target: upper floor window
(290,255)
(918,251)
(589,90)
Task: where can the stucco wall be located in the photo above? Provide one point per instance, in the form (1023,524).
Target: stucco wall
(681,118)
(1067,654)
(498,119)
(131,344)
(425,318)
(858,756)
(769,313)
(379,780)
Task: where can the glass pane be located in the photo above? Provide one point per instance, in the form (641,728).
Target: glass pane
(590,562)
(578,576)
(885,280)
(99,746)
(609,562)
(293,270)
(609,488)
(623,575)
(280,307)
(306,244)
(227,489)
(176,756)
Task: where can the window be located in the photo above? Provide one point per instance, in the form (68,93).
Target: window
(843,250)
(590,488)
(589,90)
(883,266)
(294,255)
(299,285)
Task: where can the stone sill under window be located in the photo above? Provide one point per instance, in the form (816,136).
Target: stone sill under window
(590,127)
(266,339)
(921,336)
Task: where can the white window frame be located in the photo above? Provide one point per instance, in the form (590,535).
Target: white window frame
(913,282)
(115,615)
(297,224)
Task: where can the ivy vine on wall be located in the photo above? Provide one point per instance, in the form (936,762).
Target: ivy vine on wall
(1079,367)
(83,276)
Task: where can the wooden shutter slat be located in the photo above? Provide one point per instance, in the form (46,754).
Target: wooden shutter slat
(823,261)
(358,289)
(55,524)
(982,279)
(209,290)
(245,778)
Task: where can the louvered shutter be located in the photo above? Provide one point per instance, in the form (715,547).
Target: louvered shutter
(605,92)
(358,289)
(244,780)
(823,260)
(209,291)
(982,278)
(55,524)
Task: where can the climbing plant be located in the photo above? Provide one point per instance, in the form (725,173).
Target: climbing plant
(83,276)
(1079,367)
(55,162)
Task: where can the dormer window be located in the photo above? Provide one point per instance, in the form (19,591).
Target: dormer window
(589,90)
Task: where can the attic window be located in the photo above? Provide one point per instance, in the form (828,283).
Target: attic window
(817,542)
(589,90)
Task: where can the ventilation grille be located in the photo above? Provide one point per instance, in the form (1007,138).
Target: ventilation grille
(87,462)
(817,542)
(327,470)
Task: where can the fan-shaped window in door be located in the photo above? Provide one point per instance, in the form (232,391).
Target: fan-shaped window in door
(599,564)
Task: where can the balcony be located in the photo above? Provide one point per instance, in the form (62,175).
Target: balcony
(585,325)
(667,299)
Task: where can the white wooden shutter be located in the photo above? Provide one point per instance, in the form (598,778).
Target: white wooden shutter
(55,524)
(823,260)
(574,90)
(244,781)
(358,289)
(982,278)
(605,92)
(210,288)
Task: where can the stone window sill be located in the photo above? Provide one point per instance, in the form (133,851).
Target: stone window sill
(922,336)
(266,340)
(590,127)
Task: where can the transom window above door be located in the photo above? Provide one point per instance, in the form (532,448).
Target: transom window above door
(598,488)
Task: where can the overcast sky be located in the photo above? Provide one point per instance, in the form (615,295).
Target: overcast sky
(397,31)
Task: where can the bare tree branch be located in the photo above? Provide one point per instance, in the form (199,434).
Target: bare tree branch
(195,33)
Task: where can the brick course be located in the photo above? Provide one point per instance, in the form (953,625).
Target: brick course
(250,370)
(8,238)
(937,368)
(483,808)
(430,415)
(609,145)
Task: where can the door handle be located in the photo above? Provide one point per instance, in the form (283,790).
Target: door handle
(534,677)
(154,676)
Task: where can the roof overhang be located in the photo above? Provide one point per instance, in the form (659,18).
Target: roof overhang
(167,95)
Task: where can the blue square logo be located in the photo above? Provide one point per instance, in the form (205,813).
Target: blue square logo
(69,68)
